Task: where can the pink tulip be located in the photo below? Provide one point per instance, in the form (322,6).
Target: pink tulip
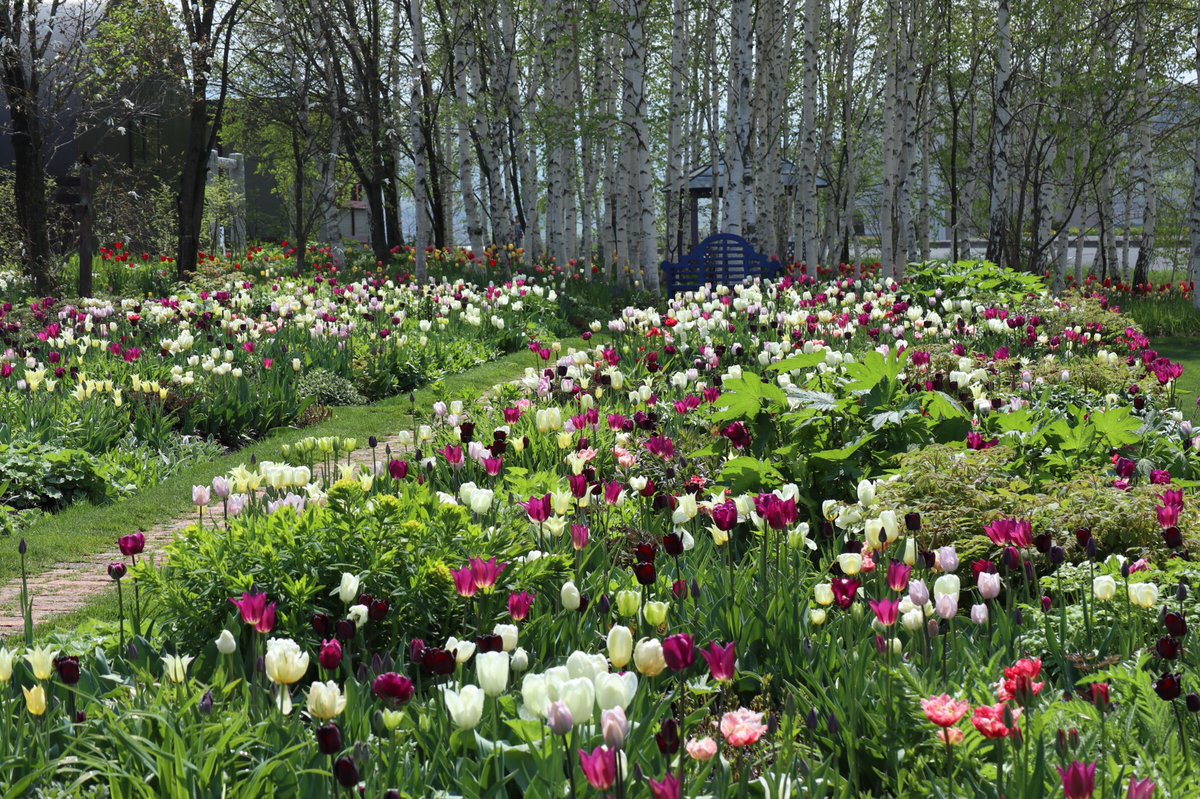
(742,727)
(600,767)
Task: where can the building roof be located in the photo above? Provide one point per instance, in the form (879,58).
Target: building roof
(700,179)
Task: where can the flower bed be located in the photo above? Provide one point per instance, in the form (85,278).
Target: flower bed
(809,539)
(127,391)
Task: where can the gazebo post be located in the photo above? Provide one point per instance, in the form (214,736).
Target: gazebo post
(695,202)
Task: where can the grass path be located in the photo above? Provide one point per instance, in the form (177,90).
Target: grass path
(1185,351)
(68,553)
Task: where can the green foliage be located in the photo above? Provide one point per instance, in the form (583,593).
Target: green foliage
(326,388)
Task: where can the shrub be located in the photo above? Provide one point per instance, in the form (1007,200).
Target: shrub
(326,388)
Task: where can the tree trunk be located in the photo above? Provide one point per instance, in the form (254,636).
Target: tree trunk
(738,211)
(806,191)
(675,151)
(1194,216)
(420,142)
(192,180)
(1141,270)
(1001,118)
(641,227)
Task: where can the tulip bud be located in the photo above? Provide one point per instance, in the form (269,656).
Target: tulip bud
(628,602)
(979,613)
(520,660)
(648,657)
(226,643)
(570,596)
(620,646)
(558,718)
(655,613)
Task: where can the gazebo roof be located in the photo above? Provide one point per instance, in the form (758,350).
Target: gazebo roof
(700,179)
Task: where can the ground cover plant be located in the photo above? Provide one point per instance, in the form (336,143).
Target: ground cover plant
(832,537)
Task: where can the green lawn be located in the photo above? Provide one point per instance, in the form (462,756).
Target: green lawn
(1185,351)
(87,529)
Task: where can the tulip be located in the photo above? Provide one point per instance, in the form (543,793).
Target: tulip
(655,613)
(679,651)
(990,720)
(465,706)
(330,655)
(117,570)
(491,672)
(345,772)
(946,606)
(613,727)
(68,670)
(702,750)
(615,690)
(885,610)
(944,710)
(325,700)
(648,657)
(284,663)
(918,593)
(41,661)
(35,700)
(392,688)
(558,718)
(979,613)
(742,727)
(989,585)
(947,585)
(255,612)
(1078,780)
(897,576)
(329,739)
(850,563)
(175,667)
(1104,588)
(569,596)
(201,496)
(132,545)
(348,589)
(600,767)
(823,594)
(508,636)
(1143,595)
(6,665)
(620,646)
(1140,789)
(628,603)
(720,660)
(519,605)
(947,559)
(226,643)
(816,616)
(580,695)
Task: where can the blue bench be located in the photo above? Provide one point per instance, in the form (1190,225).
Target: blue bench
(721,259)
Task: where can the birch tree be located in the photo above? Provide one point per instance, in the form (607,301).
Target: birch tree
(1001,118)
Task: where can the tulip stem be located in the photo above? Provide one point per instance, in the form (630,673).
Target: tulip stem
(570,763)
(121,619)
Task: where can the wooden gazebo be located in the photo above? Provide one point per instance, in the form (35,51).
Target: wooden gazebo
(701,183)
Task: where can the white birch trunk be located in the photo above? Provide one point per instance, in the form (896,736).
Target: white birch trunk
(675,150)
(466,174)
(1194,216)
(806,191)
(420,142)
(1001,119)
(1145,258)
(739,212)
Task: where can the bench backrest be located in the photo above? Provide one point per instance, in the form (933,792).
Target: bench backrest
(721,259)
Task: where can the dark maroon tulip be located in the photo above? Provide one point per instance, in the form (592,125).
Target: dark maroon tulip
(489,643)
(679,589)
(392,687)
(329,739)
(1193,702)
(645,553)
(206,703)
(645,573)
(344,629)
(416,651)
(912,521)
(116,570)
(1168,687)
(1042,543)
(378,610)
(438,661)
(673,544)
(345,772)
(68,669)
(1176,625)
(1082,536)
(1167,648)
(1172,537)
(322,625)
(667,737)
